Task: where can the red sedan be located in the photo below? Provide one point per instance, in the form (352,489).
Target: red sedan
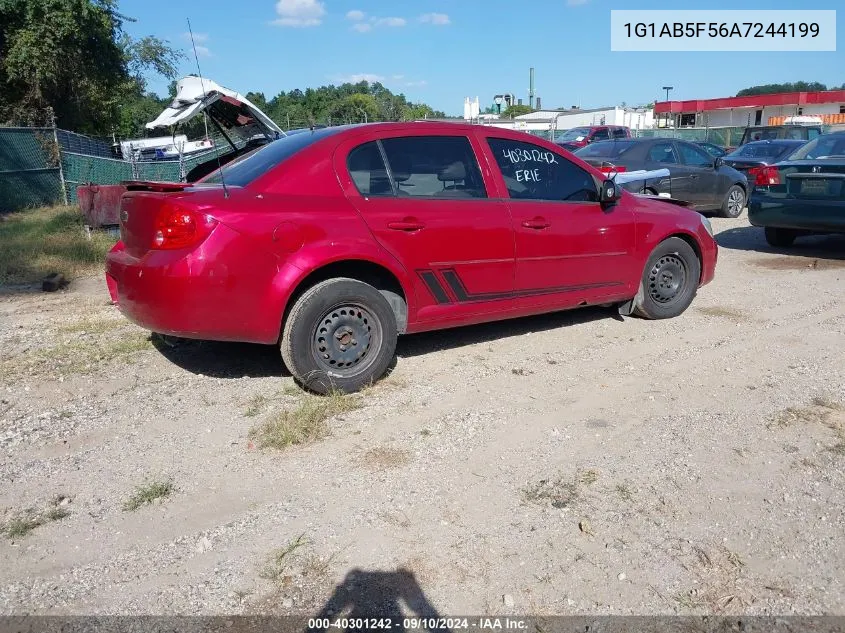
(330,243)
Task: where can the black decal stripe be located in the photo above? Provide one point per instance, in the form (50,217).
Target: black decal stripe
(463,295)
(433,285)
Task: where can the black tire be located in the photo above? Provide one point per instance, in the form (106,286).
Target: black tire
(779,238)
(669,282)
(734,202)
(355,345)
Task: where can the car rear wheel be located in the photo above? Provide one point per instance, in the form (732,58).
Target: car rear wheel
(669,282)
(780,238)
(340,335)
(734,202)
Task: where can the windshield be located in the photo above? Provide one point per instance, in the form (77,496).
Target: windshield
(247,168)
(604,149)
(575,134)
(822,147)
(758,150)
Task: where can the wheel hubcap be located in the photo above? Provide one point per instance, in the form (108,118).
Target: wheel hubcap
(667,278)
(735,201)
(343,339)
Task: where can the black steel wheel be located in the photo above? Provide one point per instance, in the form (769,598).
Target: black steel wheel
(340,335)
(670,280)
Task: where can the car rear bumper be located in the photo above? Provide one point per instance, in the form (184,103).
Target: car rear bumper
(195,294)
(823,216)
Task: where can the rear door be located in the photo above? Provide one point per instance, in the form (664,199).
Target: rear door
(664,155)
(703,190)
(568,248)
(425,199)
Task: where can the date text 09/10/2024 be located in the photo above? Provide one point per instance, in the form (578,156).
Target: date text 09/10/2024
(480,623)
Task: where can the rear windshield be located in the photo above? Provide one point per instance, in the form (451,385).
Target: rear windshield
(759,150)
(575,134)
(821,147)
(243,171)
(604,149)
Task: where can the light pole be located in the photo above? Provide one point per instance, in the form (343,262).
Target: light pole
(667,89)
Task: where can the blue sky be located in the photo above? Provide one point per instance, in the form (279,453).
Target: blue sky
(441,51)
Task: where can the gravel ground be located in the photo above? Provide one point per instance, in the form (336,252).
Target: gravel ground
(575,463)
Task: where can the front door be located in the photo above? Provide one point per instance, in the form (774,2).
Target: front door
(664,155)
(569,249)
(702,174)
(425,200)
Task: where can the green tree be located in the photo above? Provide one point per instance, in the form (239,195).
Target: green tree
(72,57)
(517,110)
(798,86)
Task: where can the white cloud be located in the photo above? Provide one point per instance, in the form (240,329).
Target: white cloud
(391,22)
(398,77)
(359,77)
(199,40)
(355,15)
(415,84)
(437,19)
(299,13)
(362,27)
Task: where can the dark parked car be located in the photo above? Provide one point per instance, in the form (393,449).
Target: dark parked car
(711,148)
(753,159)
(695,176)
(805,195)
(579,137)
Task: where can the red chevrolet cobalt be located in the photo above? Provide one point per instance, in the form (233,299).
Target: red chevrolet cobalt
(331,242)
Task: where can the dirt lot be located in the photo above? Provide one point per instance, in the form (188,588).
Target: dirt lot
(571,463)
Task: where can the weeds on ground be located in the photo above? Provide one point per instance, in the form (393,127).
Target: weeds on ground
(384,457)
(277,564)
(148,493)
(560,493)
(24,523)
(37,242)
(307,422)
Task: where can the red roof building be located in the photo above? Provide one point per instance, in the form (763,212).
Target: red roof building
(767,109)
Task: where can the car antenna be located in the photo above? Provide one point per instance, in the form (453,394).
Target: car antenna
(205,115)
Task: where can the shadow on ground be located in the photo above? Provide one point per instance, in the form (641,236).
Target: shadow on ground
(751,238)
(242,360)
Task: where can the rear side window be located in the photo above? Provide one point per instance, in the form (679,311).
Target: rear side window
(620,133)
(246,170)
(532,172)
(434,167)
(601,135)
(368,172)
(662,153)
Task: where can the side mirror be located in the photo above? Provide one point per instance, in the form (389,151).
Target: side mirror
(718,163)
(610,192)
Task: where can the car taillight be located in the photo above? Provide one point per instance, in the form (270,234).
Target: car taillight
(177,228)
(765,175)
(609,169)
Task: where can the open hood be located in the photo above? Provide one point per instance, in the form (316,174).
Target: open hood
(227,108)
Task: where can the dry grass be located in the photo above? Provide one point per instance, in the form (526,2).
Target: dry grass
(149,493)
(822,410)
(560,492)
(724,313)
(384,458)
(92,326)
(306,423)
(38,242)
(277,564)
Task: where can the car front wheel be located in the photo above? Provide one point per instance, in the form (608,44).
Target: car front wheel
(669,281)
(340,335)
(734,202)
(780,238)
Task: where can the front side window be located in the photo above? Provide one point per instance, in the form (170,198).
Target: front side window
(695,157)
(534,173)
(434,167)
(662,153)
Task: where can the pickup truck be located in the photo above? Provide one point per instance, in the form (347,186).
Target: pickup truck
(772,132)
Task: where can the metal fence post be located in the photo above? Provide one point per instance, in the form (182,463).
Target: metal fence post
(59,152)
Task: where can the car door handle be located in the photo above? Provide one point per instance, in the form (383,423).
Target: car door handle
(406,225)
(536,223)
(693,176)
